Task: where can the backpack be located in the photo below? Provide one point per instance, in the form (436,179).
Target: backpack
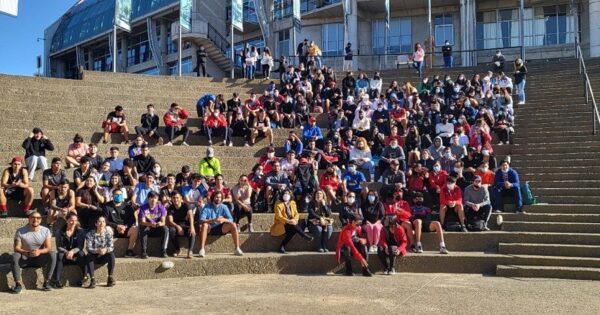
(476,225)
(452,226)
(528,196)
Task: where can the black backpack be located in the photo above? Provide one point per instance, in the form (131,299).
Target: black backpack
(452,226)
(476,225)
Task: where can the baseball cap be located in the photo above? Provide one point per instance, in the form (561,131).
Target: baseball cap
(312,119)
(16,159)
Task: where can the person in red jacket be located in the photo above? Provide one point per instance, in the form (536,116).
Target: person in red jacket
(175,119)
(216,124)
(437,180)
(350,243)
(451,200)
(392,243)
(330,182)
(400,209)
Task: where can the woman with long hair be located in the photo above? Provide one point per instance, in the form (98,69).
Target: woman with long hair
(320,222)
(287,220)
(361,155)
(100,248)
(69,243)
(418,57)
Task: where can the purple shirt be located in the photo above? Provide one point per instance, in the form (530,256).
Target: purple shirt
(153,215)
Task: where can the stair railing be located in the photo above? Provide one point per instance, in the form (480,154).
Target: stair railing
(588,91)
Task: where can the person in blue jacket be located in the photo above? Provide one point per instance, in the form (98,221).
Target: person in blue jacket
(506,183)
(202,102)
(312,131)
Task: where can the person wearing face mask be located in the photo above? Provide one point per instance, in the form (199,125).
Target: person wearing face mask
(488,157)
(498,62)
(351,244)
(437,148)
(487,175)
(373,212)
(330,183)
(353,180)
(423,223)
(320,221)
(447,161)
(381,118)
(149,124)
(361,155)
(396,206)
(209,166)
(444,130)
(477,205)
(287,221)
(121,218)
(216,125)
(351,206)
(451,202)
(392,243)
(437,180)
(447,53)
(506,183)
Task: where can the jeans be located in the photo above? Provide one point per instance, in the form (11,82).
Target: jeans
(161,231)
(521,91)
(219,131)
(174,238)
(514,192)
(448,61)
(322,234)
(61,261)
(45,260)
(250,71)
(95,259)
(483,213)
(387,259)
(291,230)
(419,66)
(173,132)
(318,62)
(32,164)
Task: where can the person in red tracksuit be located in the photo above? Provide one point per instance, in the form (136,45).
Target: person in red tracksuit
(437,180)
(392,243)
(400,209)
(175,119)
(451,199)
(216,124)
(350,243)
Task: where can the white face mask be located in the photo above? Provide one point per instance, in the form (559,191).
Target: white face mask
(216,114)
(458,169)
(350,200)
(450,186)
(485,152)
(286,197)
(271,155)
(352,169)
(394,146)
(448,155)
(484,169)
(437,168)
(505,170)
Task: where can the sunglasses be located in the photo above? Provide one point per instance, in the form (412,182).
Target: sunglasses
(36,218)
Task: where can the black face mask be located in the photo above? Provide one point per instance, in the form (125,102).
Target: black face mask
(418,203)
(398,197)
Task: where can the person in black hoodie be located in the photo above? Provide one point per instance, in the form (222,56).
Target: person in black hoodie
(35,151)
(144,163)
(201,57)
(122,219)
(149,124)
(373,212)
(69,244)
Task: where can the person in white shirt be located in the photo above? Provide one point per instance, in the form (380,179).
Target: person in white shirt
(444,130)
(289,163)
(362,125)
(361,155)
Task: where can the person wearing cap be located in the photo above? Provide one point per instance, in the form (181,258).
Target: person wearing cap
(149,124)
(209,166)
(350,244)
(261,126)
(312,132)
(507,184)
(115,123)
(476,199)
(33,249)
(195,193)
(51,179)
(15,186)
(216,124)
(183,178)
(423,223)
(392,243)
(451,199)
(152,217)
(142,190)
(215,219)
(35,151)
(175,120)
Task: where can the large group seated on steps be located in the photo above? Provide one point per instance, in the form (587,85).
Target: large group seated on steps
(395,161)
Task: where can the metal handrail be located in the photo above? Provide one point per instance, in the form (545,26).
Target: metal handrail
(219,40)
(588,91)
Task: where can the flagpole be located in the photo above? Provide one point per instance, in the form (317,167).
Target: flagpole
(431,42)
(232,50)
(114,61)
(179,49)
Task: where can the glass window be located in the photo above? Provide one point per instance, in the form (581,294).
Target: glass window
(400,36)
(282,9)
(187,66)
(444,30)
(310,5)
(333,39)
(283,43)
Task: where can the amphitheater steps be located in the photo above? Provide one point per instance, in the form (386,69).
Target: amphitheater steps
(558,272)
(570,250)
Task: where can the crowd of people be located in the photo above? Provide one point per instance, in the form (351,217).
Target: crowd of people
(392,161)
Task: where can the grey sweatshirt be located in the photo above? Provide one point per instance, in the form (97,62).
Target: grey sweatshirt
(480,196)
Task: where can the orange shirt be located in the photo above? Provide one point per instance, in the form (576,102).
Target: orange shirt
(487,178)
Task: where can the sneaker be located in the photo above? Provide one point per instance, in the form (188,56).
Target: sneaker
(176,253)
(520,211)
(209,143)
(129,253)
(201,253)
(84,282)
(386,272)
(497,211)
(57,285)
(500,143)
(17,288)
(164,254)
(230,144)
(499,220)
(326,250)
(92,284)
(320,250)
(444,251)
(224,143)
(3,215)
(392,272)
(189,255)
(29,212)
(413,248)
(169,144)
(485,228)
(185,144)
(110,282)
(144,256)
(464,229)
(282,250)
(246,145)
(521,103)
(160,141)
(250,228)
(238,252)
(419,249)
(367,272)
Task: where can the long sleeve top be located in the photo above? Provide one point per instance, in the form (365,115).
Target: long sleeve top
(149,121)
(34,147)
(356,154)
(310,132)
(479,196)
(511,176)
(346,239)
(273,179)
(75,242)
(96,241)
(446,196)
(397,238)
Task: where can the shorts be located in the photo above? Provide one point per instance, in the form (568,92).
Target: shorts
(216,230)
(15,194)
(124,235)
(114,128)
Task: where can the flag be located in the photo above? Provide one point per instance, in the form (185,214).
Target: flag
(387,14)
(185,14)
(123,14)
(263,20)
(237,14)
(10,7)
(297,16)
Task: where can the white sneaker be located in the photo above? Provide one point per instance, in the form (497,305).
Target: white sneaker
(238,252)
(231,144)
(246,144)
(224,143)
(392,272)
(499,220)
(520,103)
(185,144)
(169,144)
(202,253)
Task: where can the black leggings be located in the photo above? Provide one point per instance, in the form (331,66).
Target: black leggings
(291,230)
(346,253)
(241,213)
(503,134)
(61,261)
(174,237)
(95,259)
(387,259)
(172,133)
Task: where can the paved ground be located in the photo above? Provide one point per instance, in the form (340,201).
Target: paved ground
(319,294)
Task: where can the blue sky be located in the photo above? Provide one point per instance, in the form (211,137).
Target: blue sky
(18,35)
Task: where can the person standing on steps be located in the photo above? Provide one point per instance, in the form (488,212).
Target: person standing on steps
(35,151)
(15,186)
(202,58)
(418,57)
(175,124)
(33,249)
(350,244)
(447,53)
(100,251)
(520,78)
(348,55)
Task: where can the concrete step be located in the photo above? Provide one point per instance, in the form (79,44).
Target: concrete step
(558,169)
(549,250)
(555,148)
(554,156)
(554,163)
(559,227)
(566,184)
(568,191)
(570,199)
(547,217)
(581,209)
(558,176)
(559,272)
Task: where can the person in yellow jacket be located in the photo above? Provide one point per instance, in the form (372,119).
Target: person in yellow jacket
(315,52)
(287,221)
(209,166)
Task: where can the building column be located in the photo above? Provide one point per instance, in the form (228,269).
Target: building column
(163,47)
(351,32)
(123,60)
(594,13)
(468,31)
(90,65)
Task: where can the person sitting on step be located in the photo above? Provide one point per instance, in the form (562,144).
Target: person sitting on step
(351,244)
(507,184)
(153,222)
(422,222)
(35,151)
(51,179)
(62,202)
(209,166)
(180,220)
(392,243)
(215,219)
(15,186)
(287,220)
(70,241)
(115,123)
(100,250)
(149,124)
(451,200)
(478,208)
(75,152)
(121,218)
(175,120)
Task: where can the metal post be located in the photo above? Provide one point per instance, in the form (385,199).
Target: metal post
(594,118)
(179,49)
(232,53)
(294,45)
(431,42)
(522,28)
(114,61)
(385,46)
